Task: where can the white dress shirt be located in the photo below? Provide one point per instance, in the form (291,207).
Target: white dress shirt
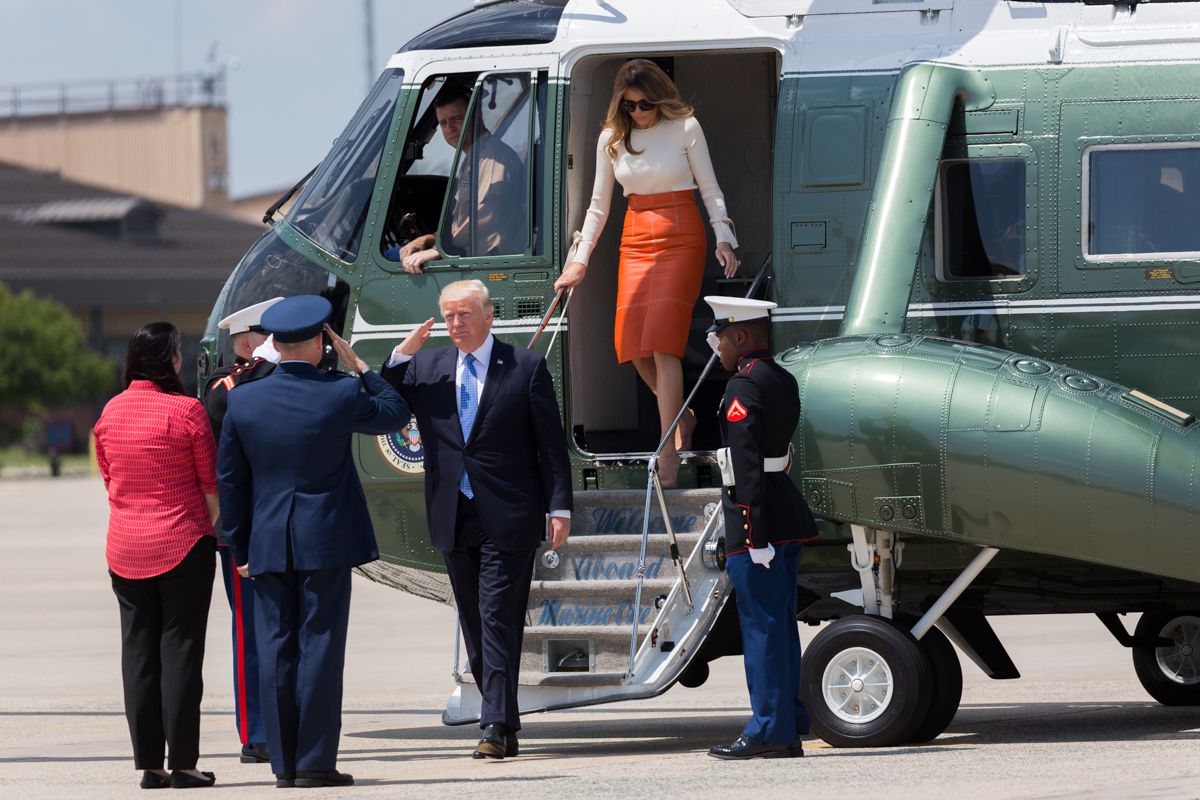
(483,359)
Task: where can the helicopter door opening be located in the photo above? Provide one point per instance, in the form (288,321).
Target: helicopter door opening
(734,96)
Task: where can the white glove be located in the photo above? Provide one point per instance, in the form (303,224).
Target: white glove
(267,350)
(763,555)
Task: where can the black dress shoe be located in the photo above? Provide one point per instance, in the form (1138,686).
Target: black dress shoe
(285,781)
(495,742)
(152,780)
(328,777)
(183,780)
(512,747)
(255,754)
(744,748)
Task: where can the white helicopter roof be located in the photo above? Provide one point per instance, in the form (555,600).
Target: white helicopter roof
(859,35)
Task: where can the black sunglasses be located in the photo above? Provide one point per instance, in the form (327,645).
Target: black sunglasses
(645,105)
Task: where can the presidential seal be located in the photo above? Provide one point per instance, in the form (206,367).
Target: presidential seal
(403,449)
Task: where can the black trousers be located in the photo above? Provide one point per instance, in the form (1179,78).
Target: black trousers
(491,589)
(163,622)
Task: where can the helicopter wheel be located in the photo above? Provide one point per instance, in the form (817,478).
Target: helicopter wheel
(947,686)
(1170,674)
(867,683)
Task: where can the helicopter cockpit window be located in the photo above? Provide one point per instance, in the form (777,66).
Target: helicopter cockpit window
(488,209)
(273,269)
(420,187)
(332,209)
(1142,200)
(981,219)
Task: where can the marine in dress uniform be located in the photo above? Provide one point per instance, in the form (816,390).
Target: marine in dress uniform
(246,335)
(294,511)
(766,523)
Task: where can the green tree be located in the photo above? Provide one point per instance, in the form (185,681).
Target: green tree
(44,361)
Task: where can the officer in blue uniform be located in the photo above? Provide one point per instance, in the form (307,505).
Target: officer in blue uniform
(766,522)
(246,335)
(294,511)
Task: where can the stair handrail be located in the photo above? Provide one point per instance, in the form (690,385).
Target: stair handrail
(654,488)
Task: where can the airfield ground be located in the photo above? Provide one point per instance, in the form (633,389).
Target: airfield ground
(1078,725)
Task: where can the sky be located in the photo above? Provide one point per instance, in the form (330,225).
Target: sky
(300,69)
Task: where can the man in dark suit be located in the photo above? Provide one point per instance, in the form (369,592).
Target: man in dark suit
(495,465)
(766,523)
(294,512)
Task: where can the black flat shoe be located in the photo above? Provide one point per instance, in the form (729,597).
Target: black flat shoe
(493,743)
(285,781)
(255,754)
(182,780)
(152,780)
(329,777)
(744,748)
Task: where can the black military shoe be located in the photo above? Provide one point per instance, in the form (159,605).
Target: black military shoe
(497,742)
(744,748)
(327,777)
(255,754)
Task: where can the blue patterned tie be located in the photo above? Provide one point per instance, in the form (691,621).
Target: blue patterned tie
(468,404)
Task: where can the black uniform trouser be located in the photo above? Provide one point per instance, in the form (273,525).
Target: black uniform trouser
(491,589)
(163,622)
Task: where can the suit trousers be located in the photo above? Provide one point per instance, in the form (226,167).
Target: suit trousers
(491,590)
(301,618)
(766,604)
(163,622)
(247,708)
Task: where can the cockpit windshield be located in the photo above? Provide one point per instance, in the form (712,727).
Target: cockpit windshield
(332,209)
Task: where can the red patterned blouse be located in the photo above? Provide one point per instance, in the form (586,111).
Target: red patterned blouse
(158,460)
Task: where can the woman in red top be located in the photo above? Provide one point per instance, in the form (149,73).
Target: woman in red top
(157,456)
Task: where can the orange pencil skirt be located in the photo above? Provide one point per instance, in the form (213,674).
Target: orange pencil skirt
(658,278)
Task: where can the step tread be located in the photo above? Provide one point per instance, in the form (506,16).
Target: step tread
(584,631)
(602,586)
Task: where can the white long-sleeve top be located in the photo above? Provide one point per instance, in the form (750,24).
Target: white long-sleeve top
(673,158)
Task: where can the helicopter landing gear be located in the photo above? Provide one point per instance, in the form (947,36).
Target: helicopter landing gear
(1171,674)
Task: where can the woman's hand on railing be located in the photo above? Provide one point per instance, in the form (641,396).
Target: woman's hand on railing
(572,276)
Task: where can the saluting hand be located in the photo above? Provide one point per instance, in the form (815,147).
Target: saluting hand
(412,343)
(729,262)
(345,352)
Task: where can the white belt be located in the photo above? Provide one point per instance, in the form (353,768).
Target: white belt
(725,462)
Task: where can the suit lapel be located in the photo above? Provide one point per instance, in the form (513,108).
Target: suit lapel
(502,362)
(447,364)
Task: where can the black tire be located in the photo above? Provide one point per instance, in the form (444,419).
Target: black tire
(897,713)
(1152,664)
(947,686)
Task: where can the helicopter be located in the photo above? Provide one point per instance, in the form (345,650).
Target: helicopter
(979,221)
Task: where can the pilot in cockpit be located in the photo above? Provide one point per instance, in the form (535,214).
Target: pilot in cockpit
(487,207)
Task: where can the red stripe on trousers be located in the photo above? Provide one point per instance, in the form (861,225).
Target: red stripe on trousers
(240,655)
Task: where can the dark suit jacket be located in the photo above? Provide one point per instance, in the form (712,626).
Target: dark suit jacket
(516,456)
(285,472)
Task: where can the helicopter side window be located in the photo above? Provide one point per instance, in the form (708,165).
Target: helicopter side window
(487,213)
(1142,200)
(981,219)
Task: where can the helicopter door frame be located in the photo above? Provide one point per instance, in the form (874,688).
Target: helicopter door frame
(541,70)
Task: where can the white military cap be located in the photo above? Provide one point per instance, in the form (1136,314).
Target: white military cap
(248,319)
(727,310)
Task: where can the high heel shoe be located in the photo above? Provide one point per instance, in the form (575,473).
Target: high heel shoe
(683,433)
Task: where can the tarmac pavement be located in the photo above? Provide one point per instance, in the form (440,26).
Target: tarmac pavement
(1077,725)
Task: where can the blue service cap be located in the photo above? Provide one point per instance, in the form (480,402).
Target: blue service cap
(297,319)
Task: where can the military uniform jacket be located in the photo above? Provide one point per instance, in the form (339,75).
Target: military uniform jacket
(758,417)
(290,494)
(216,392)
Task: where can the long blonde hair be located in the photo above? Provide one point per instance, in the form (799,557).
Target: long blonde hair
(648,78)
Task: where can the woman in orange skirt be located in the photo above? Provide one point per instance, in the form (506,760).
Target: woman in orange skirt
(654,147)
